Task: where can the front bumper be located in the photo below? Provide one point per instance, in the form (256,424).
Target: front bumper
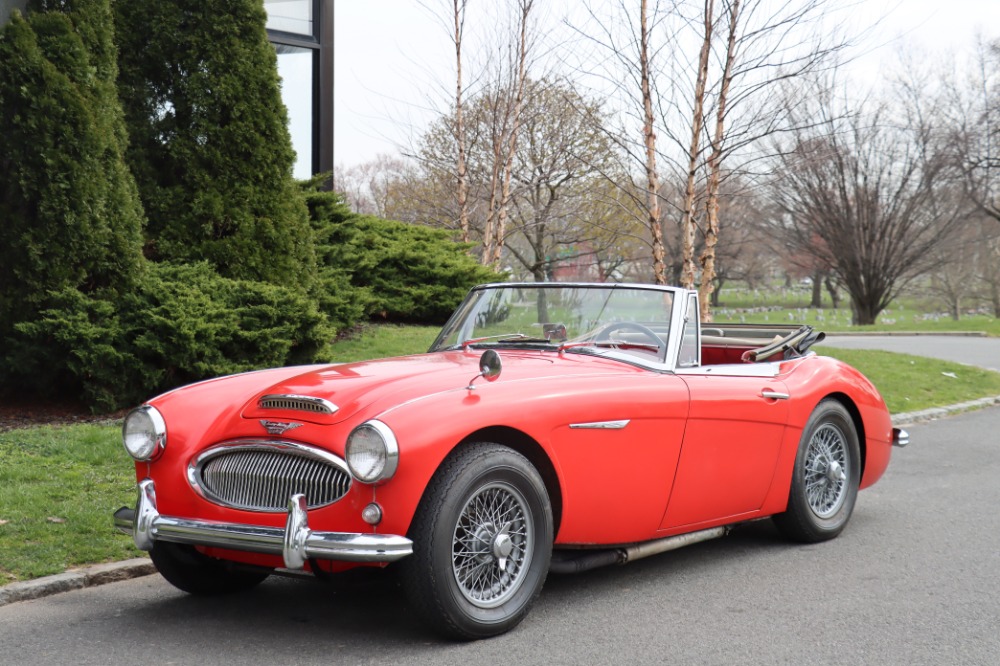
(296,543)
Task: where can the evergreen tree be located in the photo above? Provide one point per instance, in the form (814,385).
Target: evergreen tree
(210,147)
(69,209)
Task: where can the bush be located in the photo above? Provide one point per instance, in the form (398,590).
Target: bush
(210,147)
(184,323)
(406,272)
(69,208)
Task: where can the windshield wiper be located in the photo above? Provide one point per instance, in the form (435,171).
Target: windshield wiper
(507,338)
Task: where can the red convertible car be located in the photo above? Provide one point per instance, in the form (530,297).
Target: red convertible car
(551,427)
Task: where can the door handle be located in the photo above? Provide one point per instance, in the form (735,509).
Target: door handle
(774,395)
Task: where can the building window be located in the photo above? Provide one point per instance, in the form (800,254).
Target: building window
(297,72)
(293,16)
(302,34)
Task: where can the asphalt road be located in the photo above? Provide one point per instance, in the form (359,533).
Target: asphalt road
(915,579)
(981,352)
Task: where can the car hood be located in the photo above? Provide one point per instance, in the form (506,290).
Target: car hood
(376,386)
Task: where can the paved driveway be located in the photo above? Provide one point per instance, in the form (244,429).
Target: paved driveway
(981,352)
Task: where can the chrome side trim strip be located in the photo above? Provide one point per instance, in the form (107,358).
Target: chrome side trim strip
(600,425)
(295,543)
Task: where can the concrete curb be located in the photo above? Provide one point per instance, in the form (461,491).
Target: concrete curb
(874,334)
(112,572)
(75,579)
(924,415)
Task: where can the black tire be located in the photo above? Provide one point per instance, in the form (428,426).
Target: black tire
(825,477)
(471,576)
(190,571)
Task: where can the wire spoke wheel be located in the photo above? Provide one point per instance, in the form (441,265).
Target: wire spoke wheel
(492,543)
(826,470)
(825,477)
(482,543)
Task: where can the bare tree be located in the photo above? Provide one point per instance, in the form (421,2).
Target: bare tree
(714,99)
(649,136)
(560,205)
(688,224)
(462,193)
(371,187)
(504,135)
(872,189)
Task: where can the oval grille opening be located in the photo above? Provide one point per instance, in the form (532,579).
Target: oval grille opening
(263,479)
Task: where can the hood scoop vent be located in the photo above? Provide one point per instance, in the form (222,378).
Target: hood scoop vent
(297,403)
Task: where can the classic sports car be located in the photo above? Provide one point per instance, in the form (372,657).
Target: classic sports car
(551,427)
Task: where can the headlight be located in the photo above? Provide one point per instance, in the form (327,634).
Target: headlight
(144,433)
(372,453)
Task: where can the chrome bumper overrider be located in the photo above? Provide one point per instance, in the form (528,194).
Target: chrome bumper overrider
(296,543)
(900,437)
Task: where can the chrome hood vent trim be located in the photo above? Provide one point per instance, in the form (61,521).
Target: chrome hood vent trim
(261,475)
(297,403)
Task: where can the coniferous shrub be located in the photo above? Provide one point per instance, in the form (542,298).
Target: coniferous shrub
(407,272)
(69,210)
(210,147)
(181,324)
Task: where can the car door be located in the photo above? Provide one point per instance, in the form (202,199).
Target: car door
(730,448)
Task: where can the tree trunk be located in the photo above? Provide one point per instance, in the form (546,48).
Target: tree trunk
(715,171)
(463,184)
(522,57)
(652,179)
(698,119)
(817,290)
(863,314)
(831,287)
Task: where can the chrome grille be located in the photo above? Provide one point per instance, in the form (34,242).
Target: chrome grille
(262,476)
(297,403)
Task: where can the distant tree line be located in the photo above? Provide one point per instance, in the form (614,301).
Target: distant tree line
(153,234)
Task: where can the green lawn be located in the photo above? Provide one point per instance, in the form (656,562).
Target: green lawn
(60,485)
(58,489)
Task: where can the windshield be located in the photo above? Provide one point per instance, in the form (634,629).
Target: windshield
(568,317)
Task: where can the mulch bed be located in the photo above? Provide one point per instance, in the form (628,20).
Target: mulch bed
(14,414)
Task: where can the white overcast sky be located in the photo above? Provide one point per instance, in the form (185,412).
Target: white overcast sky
(393,56)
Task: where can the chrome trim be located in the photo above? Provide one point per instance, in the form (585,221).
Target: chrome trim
(600,425)
(195,466)
(298,403)
(159,429)
(391,451)
(771,394)
(296,543)
(900,437)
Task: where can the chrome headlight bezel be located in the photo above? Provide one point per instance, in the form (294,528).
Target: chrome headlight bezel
(144,433)
(372,453)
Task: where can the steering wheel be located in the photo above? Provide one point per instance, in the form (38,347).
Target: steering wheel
(604,335)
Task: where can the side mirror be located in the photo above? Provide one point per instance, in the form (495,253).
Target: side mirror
(490,367)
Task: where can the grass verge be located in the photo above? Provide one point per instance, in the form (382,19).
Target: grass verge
(911,383)
(60,485)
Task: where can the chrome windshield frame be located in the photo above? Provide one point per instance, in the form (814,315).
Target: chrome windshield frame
(679,300)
